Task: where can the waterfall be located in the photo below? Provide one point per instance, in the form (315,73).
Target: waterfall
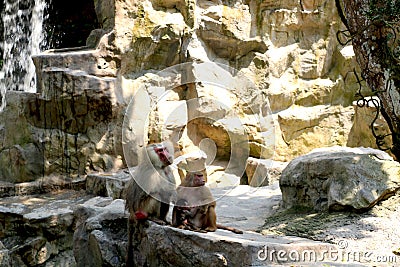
(23,37)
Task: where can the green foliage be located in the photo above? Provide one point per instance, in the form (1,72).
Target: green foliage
(388,11)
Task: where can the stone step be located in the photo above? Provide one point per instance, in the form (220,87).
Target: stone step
(72,100)
(94,62)
(58,82)
(40,186)
(73,71)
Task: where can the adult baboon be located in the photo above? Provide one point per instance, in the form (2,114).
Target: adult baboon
(149,194)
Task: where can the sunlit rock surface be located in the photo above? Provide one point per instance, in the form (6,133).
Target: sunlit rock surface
(284,58)
(340,178)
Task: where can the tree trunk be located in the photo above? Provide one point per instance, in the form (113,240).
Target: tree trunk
(374,43)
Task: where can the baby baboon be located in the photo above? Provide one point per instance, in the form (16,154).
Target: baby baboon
(179,215)
(198,209)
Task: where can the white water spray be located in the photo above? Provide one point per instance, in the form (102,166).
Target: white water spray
(23,37)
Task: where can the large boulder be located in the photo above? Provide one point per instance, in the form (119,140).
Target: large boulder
(338,178)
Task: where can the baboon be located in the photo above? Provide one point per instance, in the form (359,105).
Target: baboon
(179,215)
(149,194)
(198,209)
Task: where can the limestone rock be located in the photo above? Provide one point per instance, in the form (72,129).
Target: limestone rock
(40,186)
(262,172)
(365,123)
(77,110)
(279,55)
(107,184)
(305,128)
(100,236)
(105,13)
(37,229)
(227,30)
(154,37)
(21,163)
(215,249)
(339,178)
(21,155)
(42,234)
(94,37)
(79,61)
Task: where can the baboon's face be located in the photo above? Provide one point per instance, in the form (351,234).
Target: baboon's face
(162,154)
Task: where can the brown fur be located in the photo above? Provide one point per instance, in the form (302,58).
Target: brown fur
(199,208)
(153,187)
(150,192)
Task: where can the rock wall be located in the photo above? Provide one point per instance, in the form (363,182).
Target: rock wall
(289,50)
(281,74)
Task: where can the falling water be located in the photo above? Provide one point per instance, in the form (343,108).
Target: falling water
(23,37)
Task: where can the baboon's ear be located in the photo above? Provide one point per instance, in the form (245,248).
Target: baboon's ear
(169,146)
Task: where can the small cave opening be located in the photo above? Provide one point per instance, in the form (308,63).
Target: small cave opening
(69,23)
(66,24)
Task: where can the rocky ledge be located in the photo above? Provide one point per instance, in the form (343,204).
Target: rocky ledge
(71,228)
(87,226)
